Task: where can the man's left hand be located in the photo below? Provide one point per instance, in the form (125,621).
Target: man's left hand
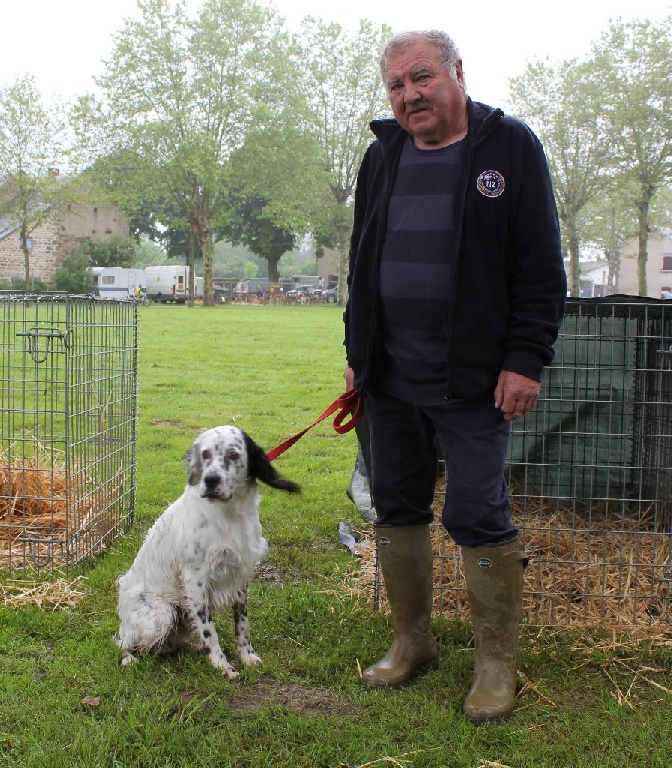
(515,395)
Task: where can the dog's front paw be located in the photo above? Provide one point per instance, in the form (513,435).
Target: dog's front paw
(250,659)
(222,663)
(127,659)
(230,673)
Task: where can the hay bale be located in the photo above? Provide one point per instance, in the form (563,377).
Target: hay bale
(32,501)
(46,515)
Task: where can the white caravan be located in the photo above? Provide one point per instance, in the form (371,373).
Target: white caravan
(116,282)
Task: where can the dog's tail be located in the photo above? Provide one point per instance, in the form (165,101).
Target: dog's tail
(260,468)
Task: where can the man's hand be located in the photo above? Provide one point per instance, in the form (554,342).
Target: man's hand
(349,376)
(515,395)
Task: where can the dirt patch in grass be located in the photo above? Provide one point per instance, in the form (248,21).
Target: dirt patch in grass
(309,701)
(268,571)
(306,700)
(171,423)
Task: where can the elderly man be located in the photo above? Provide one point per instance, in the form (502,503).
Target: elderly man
(456,297)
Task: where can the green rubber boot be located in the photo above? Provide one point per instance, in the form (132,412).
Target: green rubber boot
(405,557)
(494,578)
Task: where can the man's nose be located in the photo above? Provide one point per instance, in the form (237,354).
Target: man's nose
(411,92)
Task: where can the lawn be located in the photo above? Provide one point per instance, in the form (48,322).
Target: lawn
(588,699)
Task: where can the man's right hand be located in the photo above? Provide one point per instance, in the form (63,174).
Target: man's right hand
(349,376)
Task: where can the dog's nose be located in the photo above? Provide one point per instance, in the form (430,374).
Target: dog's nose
(211,480)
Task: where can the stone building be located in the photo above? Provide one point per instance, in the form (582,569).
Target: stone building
(658,265)
(53,240)
(597,280)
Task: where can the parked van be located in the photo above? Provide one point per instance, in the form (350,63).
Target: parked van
(116,282)
(170,282)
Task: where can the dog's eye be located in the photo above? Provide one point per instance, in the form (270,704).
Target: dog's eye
(233,455)
(207,455)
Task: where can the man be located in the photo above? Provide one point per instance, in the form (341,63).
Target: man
(456,295)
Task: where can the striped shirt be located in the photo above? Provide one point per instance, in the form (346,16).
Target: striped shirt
(416,272)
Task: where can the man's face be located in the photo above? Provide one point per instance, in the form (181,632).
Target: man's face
(425,100)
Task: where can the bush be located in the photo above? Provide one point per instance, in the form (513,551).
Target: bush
(116,251)
(71,277)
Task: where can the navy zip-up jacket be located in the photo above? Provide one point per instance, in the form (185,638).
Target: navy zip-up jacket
(509,287)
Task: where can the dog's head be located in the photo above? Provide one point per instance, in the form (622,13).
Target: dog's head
(224,458)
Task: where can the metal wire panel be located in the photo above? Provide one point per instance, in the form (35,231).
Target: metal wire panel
(68,419)
(590,475)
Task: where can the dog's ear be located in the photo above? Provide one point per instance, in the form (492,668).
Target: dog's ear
(193,461)
(260,468)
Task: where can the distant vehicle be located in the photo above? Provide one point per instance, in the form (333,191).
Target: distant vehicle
(170,283)
(292,282)
(253,286)
(224,289)
(116,282)
(303,290)
(330,295)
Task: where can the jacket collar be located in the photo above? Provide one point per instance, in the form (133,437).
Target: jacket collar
(482,119)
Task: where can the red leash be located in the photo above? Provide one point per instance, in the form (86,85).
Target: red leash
(348,404)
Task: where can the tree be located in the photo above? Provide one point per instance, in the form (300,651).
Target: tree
(234,261)
(152,214)
(250,227)
(632,67)
(32,149)
(181,94)
(563,105)
(277,189)
(343,88)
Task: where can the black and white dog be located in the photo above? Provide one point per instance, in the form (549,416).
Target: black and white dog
(200,554)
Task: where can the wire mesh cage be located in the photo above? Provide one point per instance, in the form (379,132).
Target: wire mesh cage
(68,419)
(590,476)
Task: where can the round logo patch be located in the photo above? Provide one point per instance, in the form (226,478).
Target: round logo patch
(490,183)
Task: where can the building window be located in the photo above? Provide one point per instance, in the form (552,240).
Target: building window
(667,263)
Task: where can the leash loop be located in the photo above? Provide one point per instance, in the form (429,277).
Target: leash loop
(348,404)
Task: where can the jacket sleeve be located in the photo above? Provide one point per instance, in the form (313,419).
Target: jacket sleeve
(360,208)
(537,279)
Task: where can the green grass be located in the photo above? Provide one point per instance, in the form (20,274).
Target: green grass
(272,371)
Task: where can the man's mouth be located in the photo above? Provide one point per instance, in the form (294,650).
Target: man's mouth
(418,110)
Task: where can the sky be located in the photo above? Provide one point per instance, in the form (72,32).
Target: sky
(62,44)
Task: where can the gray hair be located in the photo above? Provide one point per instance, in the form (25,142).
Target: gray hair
(447,49)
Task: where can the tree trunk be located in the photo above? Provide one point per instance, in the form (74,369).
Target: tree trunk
(208,250)
(574,263)
(26,255)
(643,209)
(273,272)
(192,276)
(200,225)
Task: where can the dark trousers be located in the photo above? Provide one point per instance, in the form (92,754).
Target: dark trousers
(474,440)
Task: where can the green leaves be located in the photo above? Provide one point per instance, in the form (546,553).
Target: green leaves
(606,125)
